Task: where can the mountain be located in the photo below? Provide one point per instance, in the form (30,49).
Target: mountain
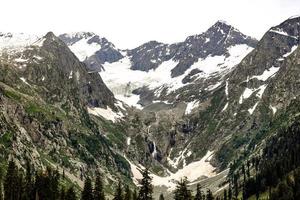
(154,71)
(92,49)
(201,108)
(46,95)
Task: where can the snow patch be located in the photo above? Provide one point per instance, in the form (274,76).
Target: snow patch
(266,74)
(24,80)
(274,109)
(251,110)
(190,106)
(82,49)
(107,113)
(16,40)
(192,171)
(246,94)
(121,80)
(128,141)
(292,50)
(281,32)
(225,107)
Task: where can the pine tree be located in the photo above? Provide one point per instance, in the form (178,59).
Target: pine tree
(62,193)
(11,180)
(20,186)
(146,189)
(199,195)
(225,195)
(229,192)
(118,193)
(71,195)
(29,194)
(127,193)
(87,193)
(134,195)
(1,182)
(209,195)
(98,191)
(161,197)
(181,191)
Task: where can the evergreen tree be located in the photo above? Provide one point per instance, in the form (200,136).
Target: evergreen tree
(229,192)
(98,191)
(62,193)
(146,189)
(10,182)
(199,195)
(209,195)
(225,195)
(87,193)
(134,195)
(47,184)
(118,193)
(181,191)
(29,194)
(161,197)
(127,193)
(20,186)
(71,195)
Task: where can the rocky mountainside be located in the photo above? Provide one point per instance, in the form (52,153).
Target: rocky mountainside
(153,71)
(198,105)
(92,49)
(46,95)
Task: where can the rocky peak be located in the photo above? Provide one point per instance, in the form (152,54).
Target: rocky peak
(289,28)
(92,49)
(71,38)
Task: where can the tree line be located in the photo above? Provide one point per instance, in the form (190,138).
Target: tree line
(274,173)
(28,184)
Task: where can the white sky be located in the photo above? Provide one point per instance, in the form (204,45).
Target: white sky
(129,23)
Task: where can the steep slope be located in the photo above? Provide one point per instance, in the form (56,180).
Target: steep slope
(154,71)
(92,49)
(45,96)
(228,119)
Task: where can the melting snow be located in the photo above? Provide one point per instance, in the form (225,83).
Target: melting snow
(226,90)
(261,90)
(225,107)
(251,110)
(192,171)
(274,109)
(71,75)
(190,106)
(128,141)
(108,113)
(281,32)
(266,74)
(292,50)
(248,92)
(82,49)
(16,40)
(121,80)
(24,80)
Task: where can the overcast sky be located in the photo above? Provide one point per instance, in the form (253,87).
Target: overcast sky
(129,23)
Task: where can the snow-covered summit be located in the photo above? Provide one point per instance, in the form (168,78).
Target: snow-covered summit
(17,40)
(91,48)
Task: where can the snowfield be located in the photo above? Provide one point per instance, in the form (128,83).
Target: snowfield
(82,49)
(192,172)
(121,80)
(107,113)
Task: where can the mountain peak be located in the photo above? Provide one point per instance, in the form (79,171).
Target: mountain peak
(221,26)
(79,35)
(50,35)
